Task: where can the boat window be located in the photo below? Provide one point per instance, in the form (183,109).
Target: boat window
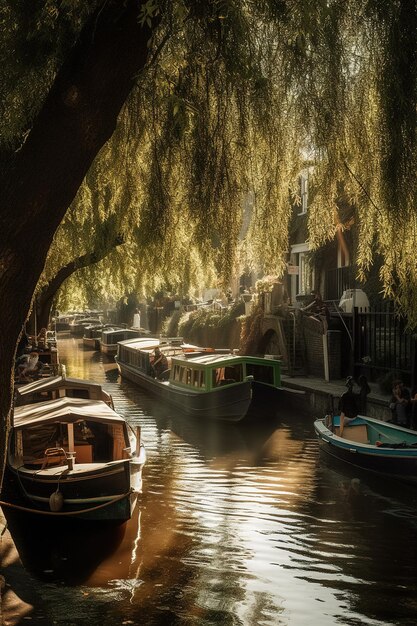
(43,396)
(202,378)
(262,373)
(188,373)
(234,373)
(77,393)
(197,378)
(218,376)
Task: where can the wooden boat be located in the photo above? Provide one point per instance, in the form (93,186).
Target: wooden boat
(77,458)
(199,381)
(48,364)
(371,444)
(77,326)
(58,387)
(111,336)
(61,322)
(92,336)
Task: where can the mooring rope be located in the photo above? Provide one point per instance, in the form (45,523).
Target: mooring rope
(65,513)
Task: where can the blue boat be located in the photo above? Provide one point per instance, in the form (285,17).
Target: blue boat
(371,444)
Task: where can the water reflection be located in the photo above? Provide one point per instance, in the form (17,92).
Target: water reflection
(238,524)
(66,551)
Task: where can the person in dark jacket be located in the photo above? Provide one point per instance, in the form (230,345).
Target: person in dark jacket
(348,405)
(400,404)
(160,363)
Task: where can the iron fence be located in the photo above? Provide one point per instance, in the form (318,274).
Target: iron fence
(337,281)
(382,344)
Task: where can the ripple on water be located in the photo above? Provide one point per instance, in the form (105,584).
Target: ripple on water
(244,525)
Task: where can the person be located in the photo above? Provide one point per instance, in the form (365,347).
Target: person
(41,339)
(364,390)
(136,319)
(29,367)
(400,404)
(160,363)
(348,406)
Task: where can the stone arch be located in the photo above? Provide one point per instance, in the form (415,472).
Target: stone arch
(269,342)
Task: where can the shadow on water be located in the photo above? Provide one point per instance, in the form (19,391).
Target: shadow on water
(238,524)
(66,551)
(356,485)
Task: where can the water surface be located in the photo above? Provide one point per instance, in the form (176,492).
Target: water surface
(237,525)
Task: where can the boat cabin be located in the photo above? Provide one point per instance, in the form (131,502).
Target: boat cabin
(206,372)
(93,331)
(46,433)
(138,353)
(111,336)
(55,387)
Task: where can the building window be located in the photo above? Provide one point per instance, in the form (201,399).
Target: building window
(302,274)
(304,192)
(305,275)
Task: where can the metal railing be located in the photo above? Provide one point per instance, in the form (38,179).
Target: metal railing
(337,281)
(382,344)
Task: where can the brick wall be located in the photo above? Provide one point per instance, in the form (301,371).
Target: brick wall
(314,352)
(334,343)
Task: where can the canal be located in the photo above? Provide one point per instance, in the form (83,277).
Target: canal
(237,525)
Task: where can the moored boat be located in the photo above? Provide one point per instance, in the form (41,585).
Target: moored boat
(77,326)
(46,363)
(92,336)
(371,444)
(72,457)
(199,381)
(111,336)
(61,386)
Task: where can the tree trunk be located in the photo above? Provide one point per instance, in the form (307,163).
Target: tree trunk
(45,298)
(77,118)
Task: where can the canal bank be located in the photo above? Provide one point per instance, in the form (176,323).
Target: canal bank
(322,397)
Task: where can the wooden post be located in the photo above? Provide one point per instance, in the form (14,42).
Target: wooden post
(70,428)
(326,358)
(137,440)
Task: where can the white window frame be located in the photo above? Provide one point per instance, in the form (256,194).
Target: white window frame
(304,192)
(298,258)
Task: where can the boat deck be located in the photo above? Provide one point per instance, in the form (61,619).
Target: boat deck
(80,468)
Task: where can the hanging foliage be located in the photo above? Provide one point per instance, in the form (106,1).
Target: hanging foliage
(238,96)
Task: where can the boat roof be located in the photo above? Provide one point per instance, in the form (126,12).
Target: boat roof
(207,359)
(150,343)
(219,360)
(63,410)
(141,343)
(86,320)
(55,382)
(117,329)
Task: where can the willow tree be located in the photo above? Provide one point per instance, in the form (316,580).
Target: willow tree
(182,107)
(65,131)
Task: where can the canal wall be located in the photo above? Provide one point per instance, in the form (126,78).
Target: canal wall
(321,397)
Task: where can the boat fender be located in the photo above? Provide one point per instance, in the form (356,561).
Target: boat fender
(56,501)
